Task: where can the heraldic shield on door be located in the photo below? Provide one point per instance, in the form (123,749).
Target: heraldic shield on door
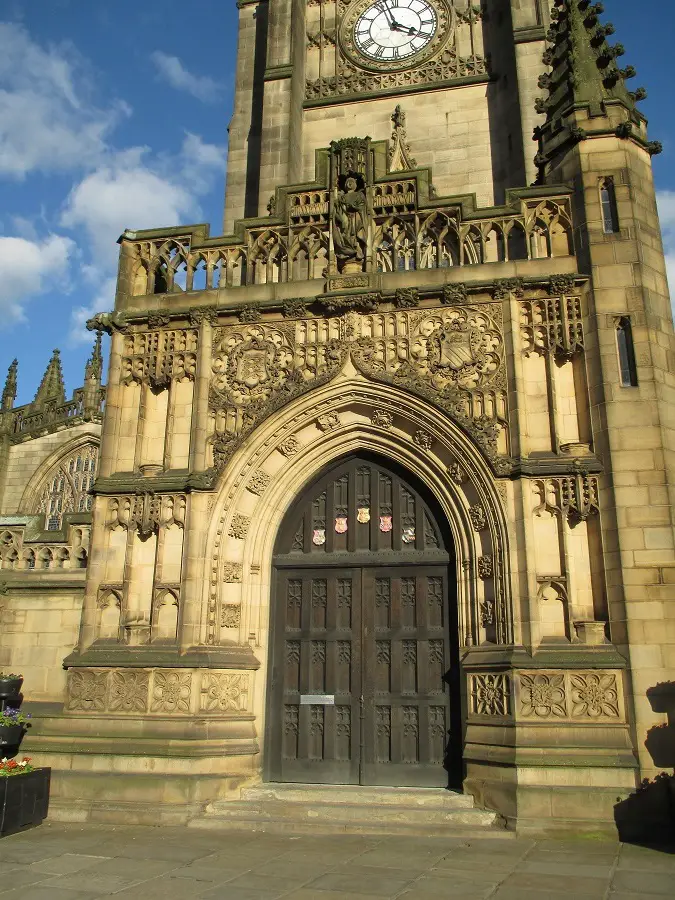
(364,671)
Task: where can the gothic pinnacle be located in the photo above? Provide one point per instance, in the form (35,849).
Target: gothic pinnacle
(52,386)
(9,392)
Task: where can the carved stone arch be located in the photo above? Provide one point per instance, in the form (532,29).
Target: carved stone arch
(269,258)
(394,245)
(140,285)
(109,611)
(164,621)
(438,242)
(30,500)
(296,442)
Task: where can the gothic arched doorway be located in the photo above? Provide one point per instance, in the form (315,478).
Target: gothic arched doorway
(364,674)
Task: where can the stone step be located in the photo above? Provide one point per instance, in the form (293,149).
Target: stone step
(350,793)
(350,809)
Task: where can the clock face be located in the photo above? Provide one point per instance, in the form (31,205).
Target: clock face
(393,30)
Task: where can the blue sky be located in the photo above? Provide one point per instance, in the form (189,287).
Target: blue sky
(115,115)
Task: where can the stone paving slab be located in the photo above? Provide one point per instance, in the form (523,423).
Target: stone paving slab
(88,862)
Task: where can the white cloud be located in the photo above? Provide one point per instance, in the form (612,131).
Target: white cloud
(666,204)
(134,191)
(29,268)
(172,70)
(47,123)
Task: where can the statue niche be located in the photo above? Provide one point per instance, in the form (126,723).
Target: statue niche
(349,223)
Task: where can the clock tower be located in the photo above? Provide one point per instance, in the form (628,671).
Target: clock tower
(463,73)
(386,483)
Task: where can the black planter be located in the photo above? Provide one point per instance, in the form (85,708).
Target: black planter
(24,800)
(10,739)
(10,689)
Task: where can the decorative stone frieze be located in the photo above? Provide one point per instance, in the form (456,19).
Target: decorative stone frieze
(289,447)
(478,517)
(572,496)
(553,326)
(158,357)
(457,474)
(485,567)
(239,526)
(129,691)
(147,512)
(259,482)
(490,694)
(543,695)
(232,572)
(452,356)
(328,422)
(156,691)
(382,419)
(594,695)
(224,692)
(577,696)
(87,691)
(423,439)
(230,616)
(171,692)
(203,314)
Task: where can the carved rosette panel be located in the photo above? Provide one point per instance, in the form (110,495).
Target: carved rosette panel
(156,691)
(159,357)
(490,694)
(224,692)
(87,690)
(171,692)
(129,691)
(577,696)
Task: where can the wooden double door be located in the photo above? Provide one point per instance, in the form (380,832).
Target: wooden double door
(362,672)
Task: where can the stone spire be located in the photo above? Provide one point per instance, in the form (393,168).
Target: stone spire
(92,378)
(400,157)
(94,367)
(584,83)
(9,392)
(52,386)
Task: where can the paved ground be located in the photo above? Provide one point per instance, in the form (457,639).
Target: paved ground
(69,862)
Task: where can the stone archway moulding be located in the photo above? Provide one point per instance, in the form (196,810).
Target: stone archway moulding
(292,447)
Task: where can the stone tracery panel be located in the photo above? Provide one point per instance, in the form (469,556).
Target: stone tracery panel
(452,356)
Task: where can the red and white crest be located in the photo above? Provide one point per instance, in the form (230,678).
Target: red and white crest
(319,536)
(386,523)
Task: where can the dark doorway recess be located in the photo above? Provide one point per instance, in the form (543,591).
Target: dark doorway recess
(364,620)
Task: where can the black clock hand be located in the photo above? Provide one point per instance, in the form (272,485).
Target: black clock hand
(389,15)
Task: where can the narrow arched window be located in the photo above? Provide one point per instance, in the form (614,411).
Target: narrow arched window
(610,213)
(624,341)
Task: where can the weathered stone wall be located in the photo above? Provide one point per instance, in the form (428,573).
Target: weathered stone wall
(30,459)
(39,624)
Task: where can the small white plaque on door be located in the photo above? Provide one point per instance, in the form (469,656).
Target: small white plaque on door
(317,699)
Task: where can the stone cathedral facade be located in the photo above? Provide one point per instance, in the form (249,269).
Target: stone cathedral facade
(385,482)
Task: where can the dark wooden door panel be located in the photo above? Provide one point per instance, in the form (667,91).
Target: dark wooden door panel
(319,618)
(406,654)
(360,619)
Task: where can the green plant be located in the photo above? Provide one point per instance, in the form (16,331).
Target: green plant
(10,716)
(9,767)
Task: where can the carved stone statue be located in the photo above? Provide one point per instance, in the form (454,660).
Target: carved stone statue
(349,225)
